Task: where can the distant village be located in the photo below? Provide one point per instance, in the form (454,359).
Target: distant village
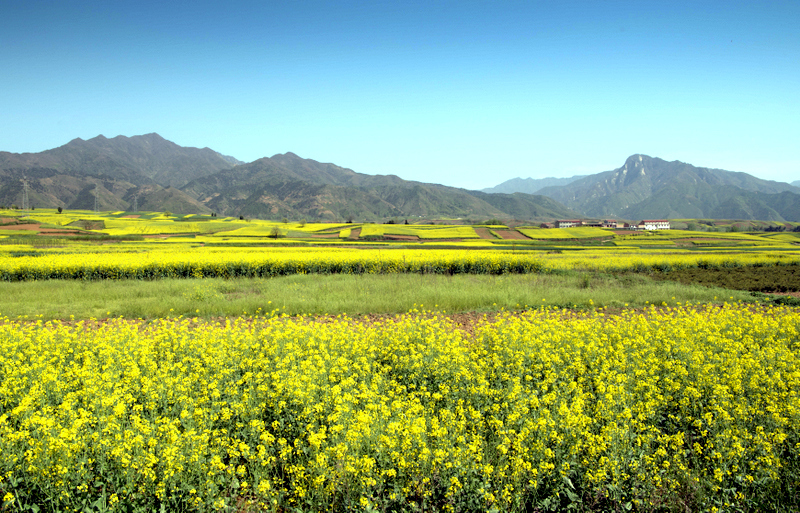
(645,224)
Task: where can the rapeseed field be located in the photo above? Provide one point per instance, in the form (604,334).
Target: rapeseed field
(690,408)
(168,260)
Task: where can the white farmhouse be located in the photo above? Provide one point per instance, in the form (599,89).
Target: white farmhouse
(653,224)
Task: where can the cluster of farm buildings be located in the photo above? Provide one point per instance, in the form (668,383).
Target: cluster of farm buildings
(645,224)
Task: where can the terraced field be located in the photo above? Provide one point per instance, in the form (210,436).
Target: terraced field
(149,224)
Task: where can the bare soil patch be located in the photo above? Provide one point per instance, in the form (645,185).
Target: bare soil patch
(400,237)
(30,226)
(789,294)
(132,216)
(511,235)
(355,233)
(484,233)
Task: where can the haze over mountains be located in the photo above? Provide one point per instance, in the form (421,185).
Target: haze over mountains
(156,174)
(530,185)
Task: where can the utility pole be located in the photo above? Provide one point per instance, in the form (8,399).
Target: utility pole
(24,193)
(95,198)
(135,202)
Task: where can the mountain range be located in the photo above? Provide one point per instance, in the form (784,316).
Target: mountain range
(152,173)
(155,174)
(646,187)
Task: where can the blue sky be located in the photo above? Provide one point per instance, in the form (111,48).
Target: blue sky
(461,93)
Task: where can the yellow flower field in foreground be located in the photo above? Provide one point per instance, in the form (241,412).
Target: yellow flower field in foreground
(159,260)
(696,407)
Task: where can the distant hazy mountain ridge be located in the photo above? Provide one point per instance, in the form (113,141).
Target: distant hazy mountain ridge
(530,185)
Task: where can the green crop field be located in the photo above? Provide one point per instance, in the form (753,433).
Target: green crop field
(420,231)
(566,233)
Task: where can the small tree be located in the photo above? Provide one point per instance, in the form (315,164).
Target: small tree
(275,232)
(60,210)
